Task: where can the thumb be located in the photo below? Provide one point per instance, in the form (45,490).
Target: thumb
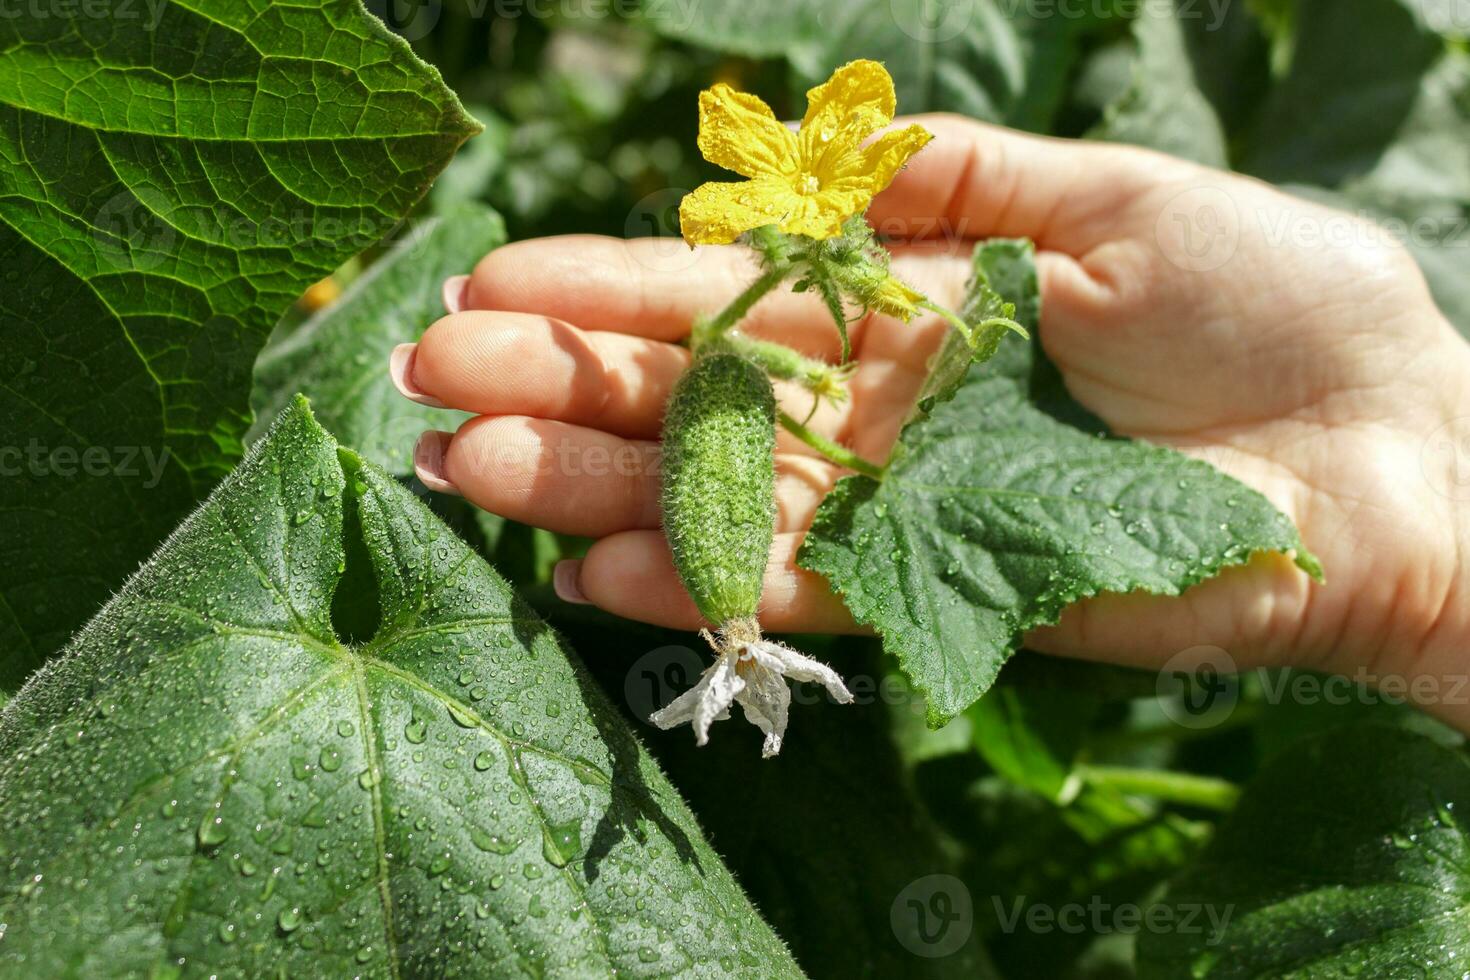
(976,181)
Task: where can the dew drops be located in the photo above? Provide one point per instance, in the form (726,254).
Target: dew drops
(289,919)
(212,831)
(562,842)
(491,843)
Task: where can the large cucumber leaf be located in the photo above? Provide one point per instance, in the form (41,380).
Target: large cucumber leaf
(211,778)
(1346,857)
(175,175)
(1007,503)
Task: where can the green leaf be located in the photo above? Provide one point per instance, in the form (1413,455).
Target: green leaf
(1346,857)
(1164,108)
(1001,267)
(339,357)
(1360,91)
(998,62)
(1007,504)
(212,778)
(176,174)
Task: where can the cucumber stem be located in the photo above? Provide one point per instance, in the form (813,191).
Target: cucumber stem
(966,330)
(740,305)
(838,454)
(1183,788)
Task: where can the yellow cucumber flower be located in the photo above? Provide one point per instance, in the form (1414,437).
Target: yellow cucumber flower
(807,182)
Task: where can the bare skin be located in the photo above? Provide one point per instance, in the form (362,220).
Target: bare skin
(1294,347)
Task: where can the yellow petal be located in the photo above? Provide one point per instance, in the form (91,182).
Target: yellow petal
(847,108)
(886,155)
(739,132)
(718,213)
(818,215)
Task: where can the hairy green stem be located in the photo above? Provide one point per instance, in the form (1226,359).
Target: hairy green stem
(740,305)
(840,455)
(780,361)
(966,330)
(1183,788)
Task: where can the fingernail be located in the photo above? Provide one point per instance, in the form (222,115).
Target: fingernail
(564,579)
(455,290)
(400,369)
(428,461)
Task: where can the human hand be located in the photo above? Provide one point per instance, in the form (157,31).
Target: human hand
(1179,306)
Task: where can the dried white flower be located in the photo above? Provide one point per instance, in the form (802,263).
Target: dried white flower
(751,671)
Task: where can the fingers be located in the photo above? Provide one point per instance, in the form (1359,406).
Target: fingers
(974,181)
(648,287)
(1247,611)
(632,575)
(524,364)
(576,480)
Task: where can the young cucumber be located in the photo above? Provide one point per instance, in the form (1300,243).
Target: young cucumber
(719,484)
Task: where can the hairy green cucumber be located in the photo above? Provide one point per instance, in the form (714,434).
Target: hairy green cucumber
(719,483)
